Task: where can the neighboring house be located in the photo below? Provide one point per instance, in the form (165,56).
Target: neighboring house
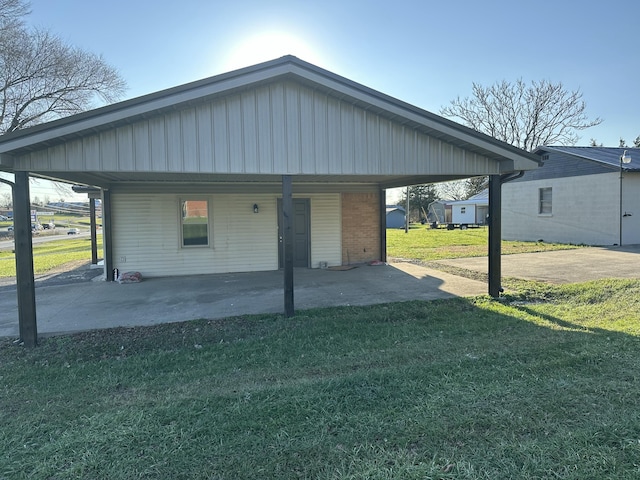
(395,216)
(192,179)
(581,195)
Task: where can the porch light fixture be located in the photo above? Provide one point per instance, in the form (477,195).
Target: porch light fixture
(255,208)
(624,159)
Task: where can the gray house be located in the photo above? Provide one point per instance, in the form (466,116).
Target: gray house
(278,165)
(395,216)
(581,195)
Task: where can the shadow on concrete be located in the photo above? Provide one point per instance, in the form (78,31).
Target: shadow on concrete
(70,303)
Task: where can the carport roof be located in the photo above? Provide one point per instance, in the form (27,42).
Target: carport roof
(289,67)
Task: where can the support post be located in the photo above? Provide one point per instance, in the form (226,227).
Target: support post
(495,235)
(24,260)
(94,239)
(383,225)
(107,235)
(287,217)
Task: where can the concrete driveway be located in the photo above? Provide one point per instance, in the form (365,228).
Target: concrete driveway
(563,266)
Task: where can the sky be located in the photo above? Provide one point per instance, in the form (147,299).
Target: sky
(423,52)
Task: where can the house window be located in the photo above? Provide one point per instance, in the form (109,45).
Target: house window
(195,222)
(544,202)
(463,209)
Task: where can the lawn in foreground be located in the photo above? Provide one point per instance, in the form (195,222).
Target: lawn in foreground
(543,384)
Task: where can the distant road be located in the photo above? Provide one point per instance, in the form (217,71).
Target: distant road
(8,244)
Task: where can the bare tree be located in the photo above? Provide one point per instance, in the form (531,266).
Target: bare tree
(42,77)
(527,117)
(453,190)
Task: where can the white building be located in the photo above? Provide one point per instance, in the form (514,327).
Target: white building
(581,195)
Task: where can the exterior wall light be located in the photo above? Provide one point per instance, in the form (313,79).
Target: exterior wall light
(255,208)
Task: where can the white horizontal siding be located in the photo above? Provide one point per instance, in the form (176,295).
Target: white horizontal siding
(282,128)
(146,234)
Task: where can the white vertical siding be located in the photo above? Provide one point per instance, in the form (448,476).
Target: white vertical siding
(283,128)
(146,236)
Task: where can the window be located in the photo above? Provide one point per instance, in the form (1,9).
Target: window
(463,210)
(544,202)
(195,222)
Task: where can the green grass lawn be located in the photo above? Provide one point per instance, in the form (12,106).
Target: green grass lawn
(426,244)
(50,255)
(542,384)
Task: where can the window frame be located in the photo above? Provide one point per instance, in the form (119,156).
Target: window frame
(181,215)
(545,205)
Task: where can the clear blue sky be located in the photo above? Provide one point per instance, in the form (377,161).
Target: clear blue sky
(422,52)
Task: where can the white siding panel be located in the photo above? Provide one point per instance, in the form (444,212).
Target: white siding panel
(108,146)
(386,143)
(292,133)
(173,138)
(372,160)
(141,147)
(250,150)
(359,139)
(235,135)
(147,235)
(264,132)
(189,141)
(279,128)
(91,152)
(122,157)
(307,134)
(326,230)
(204,126)
(333,135)
(282,128)
(157,141)
(220,137)
(40,159)
(321,133)
(75,157)
(347,128)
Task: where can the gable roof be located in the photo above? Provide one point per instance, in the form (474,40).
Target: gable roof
(111,116)
(603,156)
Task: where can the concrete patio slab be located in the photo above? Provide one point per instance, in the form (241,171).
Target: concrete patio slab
(87,305)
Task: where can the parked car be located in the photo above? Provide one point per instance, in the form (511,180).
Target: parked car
(49,226)
(73,231)
(3,218)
